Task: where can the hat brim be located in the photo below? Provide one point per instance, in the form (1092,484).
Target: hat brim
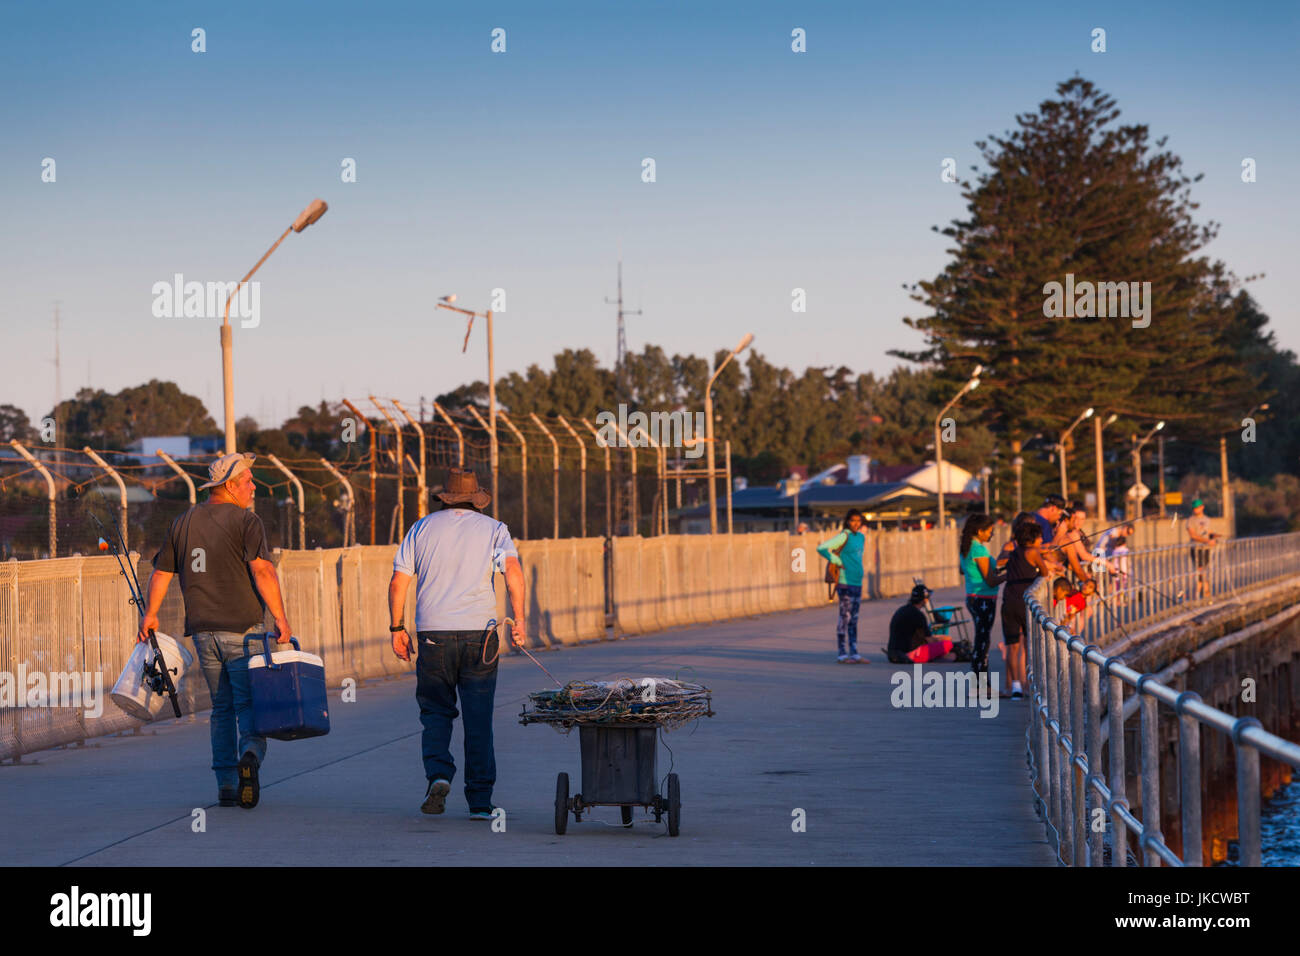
(479,499)
(234,470)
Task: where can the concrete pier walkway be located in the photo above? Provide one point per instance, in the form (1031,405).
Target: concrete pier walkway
(794,730)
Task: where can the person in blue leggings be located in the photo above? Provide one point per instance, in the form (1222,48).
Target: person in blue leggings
(844,552)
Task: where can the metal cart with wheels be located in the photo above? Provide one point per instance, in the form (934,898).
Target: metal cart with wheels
(619,768)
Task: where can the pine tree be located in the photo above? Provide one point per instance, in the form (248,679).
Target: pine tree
(1071,192)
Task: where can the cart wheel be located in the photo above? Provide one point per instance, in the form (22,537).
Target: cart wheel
(627,816)
(561,803)
(674,805)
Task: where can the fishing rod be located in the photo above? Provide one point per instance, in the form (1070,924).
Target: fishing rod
(155,674)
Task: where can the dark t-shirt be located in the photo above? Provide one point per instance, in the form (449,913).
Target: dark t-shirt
(216,582)
(908,629)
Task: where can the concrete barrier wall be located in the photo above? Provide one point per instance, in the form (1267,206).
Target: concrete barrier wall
(689,579)
(72,614)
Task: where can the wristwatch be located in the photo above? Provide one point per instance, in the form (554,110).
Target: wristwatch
(399,627)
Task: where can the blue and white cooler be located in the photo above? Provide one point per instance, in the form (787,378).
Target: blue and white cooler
(288,687)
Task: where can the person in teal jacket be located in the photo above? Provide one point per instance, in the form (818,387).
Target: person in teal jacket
(844,551)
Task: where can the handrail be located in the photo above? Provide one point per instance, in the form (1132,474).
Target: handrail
(1064,742)
(1159,582)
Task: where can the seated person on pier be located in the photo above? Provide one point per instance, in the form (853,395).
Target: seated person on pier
(909,634)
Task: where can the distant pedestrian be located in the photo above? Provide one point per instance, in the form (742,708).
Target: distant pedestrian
(844,552)
(228,581)
(454,555)
(1203,539)
(980,573)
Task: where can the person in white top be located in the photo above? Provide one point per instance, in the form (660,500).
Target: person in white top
(454,555)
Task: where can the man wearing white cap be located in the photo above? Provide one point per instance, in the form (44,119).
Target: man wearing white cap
(228,581)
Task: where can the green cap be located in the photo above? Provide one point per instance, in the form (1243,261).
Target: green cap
(1197,503)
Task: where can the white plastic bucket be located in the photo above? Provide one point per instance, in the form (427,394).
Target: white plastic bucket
(132,694)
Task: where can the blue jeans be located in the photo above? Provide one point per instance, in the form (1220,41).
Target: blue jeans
(223,655)
(850,602)
(451,661)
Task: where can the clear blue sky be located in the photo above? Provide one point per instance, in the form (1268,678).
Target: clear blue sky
(522,171)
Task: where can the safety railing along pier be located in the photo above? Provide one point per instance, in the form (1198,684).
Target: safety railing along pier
(1077,693)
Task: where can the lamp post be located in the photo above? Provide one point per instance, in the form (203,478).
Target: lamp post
(305,219)
(1137,466)
(708,423)
(1097,426)
(1229,508)
(985,472)
(1017,464)
(1060,447)
(446,303)
(938,442)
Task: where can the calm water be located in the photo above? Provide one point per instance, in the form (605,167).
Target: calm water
(1280,827)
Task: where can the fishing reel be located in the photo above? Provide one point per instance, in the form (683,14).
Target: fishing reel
(155,674)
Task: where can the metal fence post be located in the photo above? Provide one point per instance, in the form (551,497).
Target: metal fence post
(401,470)
(582,472)
(371,429)
(121,487)
(189,482)
(1150,730)
(1189,779)
(1250,853)
(523,466)
(609,505)
(302,519)
(50,489)
(422,505)
(349,524)
(555,473)
(1092,747)
(460,437)
(1118,779)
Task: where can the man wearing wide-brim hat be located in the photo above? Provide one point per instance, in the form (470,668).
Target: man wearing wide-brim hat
(219,550)
(454,555)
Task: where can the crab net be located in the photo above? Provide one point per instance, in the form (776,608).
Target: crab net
(660,701)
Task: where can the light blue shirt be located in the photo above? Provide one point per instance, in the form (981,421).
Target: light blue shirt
(453,554)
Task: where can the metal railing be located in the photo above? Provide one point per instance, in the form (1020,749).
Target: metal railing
(1065,738)
(1142,587)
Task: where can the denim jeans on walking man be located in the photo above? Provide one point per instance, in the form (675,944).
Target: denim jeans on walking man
(223,656)
(451,661)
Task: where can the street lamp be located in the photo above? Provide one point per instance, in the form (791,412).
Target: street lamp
(305,219)
(1097,426)
(1060,447)
(1229,509)
(1017,465)
(708,422)
(938,443)
(446,303)
(984,480)
(1137,466)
